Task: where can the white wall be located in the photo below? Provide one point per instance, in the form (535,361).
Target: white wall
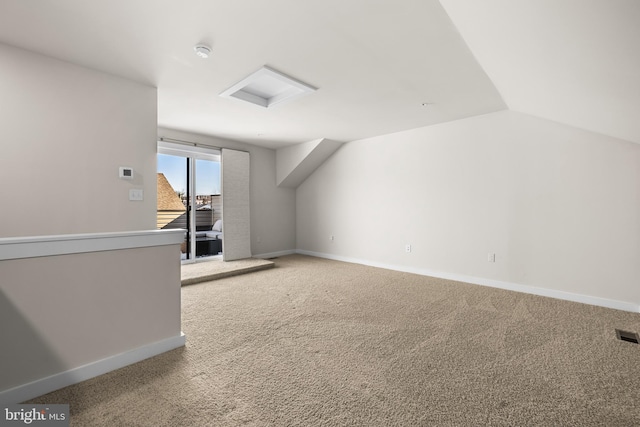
(66,130)
(273,209)
(560,207)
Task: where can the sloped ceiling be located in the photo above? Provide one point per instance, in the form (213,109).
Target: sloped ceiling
(572,61)
(296,163)
(375,62)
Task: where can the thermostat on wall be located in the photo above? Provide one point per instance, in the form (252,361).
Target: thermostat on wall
(126,173)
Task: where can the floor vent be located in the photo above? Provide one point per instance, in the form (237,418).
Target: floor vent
(627,336)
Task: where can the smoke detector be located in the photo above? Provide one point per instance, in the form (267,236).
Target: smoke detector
(202,50)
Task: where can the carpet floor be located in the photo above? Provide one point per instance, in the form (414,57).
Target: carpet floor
(315,342)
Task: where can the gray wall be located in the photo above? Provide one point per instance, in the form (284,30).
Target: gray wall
(61,313)
(66,130)
(559,206)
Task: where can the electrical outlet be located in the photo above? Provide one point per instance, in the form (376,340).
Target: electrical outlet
(407,248)
(491,257)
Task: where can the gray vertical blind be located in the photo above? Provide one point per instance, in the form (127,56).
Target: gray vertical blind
(236,221)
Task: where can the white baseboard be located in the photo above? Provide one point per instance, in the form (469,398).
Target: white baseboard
(82,373)
(545,292)
(275,254)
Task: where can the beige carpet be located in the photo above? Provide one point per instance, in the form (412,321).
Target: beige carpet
(314,342)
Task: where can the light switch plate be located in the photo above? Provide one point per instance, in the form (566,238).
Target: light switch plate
(136,194)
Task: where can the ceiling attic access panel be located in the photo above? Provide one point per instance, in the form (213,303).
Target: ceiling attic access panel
(267,88)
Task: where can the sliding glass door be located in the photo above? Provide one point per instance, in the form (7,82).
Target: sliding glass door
(189,197)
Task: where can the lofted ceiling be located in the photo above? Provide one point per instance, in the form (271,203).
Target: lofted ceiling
(374,62)
(575,62)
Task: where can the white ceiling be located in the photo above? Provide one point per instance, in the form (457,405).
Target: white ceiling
(572,61)
(374,62)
